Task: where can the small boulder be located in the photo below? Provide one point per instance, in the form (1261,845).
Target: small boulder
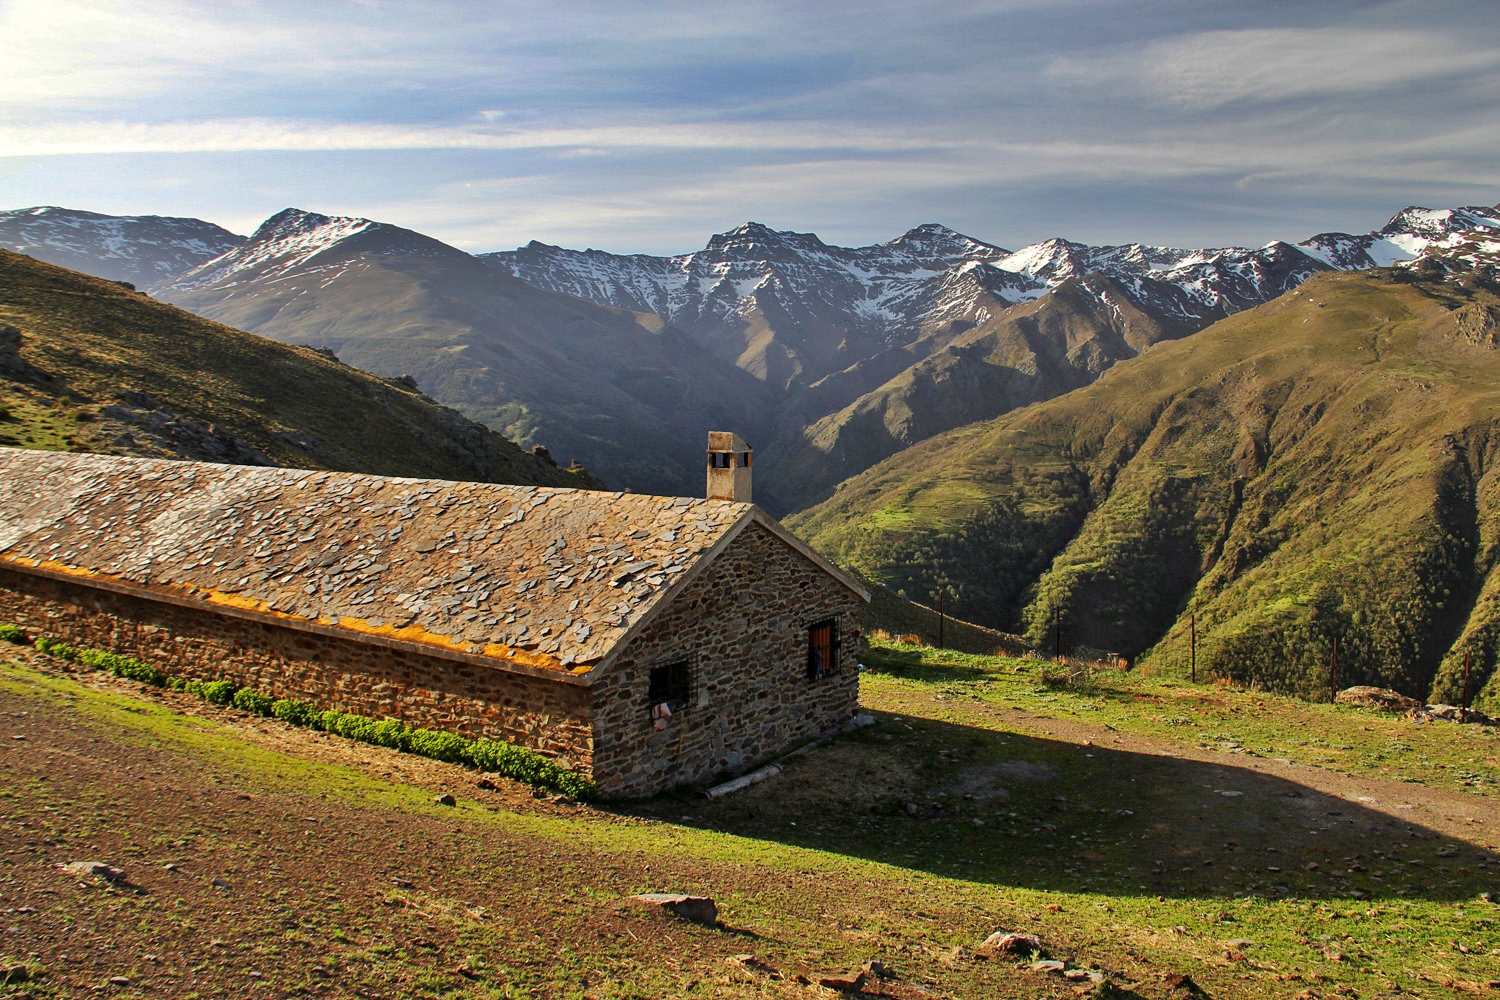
(1048,965)
(875,967)
(94,869)
(1384,699)
(1002,943)
(851,983)
(698,909)
(445,800)
(15,974)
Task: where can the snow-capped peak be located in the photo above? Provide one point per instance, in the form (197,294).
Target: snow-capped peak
(141,249)
(294,239)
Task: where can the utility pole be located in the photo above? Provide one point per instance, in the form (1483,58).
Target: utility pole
(1193,644)
(1057,632)
(940,619)
(1466,680)
(1333,675)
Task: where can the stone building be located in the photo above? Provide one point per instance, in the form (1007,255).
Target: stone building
(645,642)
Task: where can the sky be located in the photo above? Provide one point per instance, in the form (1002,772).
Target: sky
(647,127)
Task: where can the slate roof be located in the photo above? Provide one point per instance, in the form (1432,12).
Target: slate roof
(545,578)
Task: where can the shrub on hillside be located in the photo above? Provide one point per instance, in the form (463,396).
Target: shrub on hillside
(218,692)
(298,713)
(526,765)
(61,650)
(122,666)
(437,745)
(253,702)
(12,633)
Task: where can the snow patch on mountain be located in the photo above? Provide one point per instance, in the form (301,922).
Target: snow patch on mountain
(933,274)
(141,249)
(295,243)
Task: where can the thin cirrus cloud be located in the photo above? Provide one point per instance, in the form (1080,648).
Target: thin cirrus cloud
(643,127)
(1214,68)
(283,135)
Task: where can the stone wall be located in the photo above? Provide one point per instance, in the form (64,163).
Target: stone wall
(348,675)
(743,626)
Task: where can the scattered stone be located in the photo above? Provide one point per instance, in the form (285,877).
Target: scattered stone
(1384,699)
(875,967)
(445,800)
(1488,897)
(220,883)
(119,981)
(1180,981)
(698,909)
(1002,943)
(1048,965)
(959,954)
(1238,944)
(94,869)
(752,964)
(15,974)
(1452,713)
(850,983)
(486,784)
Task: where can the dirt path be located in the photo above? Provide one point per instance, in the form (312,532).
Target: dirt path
(1452,814)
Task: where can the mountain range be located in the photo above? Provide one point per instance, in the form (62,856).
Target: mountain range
(1322,469)
(830,358)
(140,249)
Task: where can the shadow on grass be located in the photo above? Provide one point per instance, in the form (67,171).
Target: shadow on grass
(1008,809)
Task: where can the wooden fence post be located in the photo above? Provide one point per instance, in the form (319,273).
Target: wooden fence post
(1193,643)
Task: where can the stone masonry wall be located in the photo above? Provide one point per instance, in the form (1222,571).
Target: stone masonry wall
(743,625)
(347,675)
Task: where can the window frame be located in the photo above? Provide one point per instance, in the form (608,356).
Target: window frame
(680,691)
(831,664)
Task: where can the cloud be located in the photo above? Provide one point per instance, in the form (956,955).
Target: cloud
(239,135)
(1215,68)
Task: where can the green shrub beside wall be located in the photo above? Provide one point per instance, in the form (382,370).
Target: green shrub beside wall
(486,755)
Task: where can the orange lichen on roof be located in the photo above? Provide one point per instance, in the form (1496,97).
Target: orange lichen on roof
(412,633)
(544,577)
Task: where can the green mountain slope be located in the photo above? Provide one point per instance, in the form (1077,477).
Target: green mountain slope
(1322,467)
(1029,352)
(87,365)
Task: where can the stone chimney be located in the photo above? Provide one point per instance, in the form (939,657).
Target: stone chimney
(728,467)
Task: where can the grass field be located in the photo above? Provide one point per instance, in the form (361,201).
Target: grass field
(1144,829)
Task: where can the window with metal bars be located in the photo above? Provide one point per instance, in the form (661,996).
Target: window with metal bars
(822,649)
(669,685)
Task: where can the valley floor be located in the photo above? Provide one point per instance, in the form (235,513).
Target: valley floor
(1143,829)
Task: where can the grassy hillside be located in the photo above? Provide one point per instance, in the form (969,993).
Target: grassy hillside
(86,365)
(1144,831)
(1320,468)
(1029,352)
